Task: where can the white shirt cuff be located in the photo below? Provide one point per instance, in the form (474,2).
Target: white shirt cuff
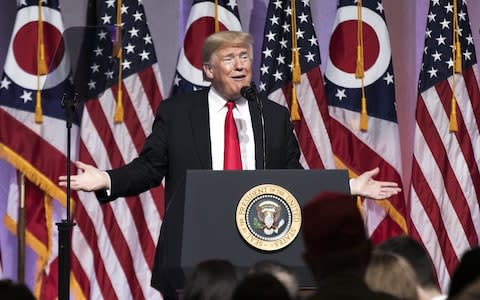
(109,185)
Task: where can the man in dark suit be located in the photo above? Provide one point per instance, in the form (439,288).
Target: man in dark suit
(183,136)
(188,133)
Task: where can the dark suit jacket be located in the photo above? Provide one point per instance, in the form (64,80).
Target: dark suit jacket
(180,140)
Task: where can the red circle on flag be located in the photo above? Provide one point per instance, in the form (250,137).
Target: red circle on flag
(343,46)
(25,44)
(196,34)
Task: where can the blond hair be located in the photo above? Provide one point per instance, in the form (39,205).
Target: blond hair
(223,39)
(391,274)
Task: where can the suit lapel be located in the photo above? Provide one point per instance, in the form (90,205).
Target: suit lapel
(199,118)
(257,133)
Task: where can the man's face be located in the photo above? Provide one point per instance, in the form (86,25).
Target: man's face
(229,70)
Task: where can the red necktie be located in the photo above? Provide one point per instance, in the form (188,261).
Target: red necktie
(231,156)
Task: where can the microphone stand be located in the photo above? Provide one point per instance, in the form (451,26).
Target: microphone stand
(250,93)
(260,108)
(65,226)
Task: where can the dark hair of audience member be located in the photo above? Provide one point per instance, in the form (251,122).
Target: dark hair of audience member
(467,271)
(211,280)
(416,255)
(260,286)
(283,273)
(470,292)
(392,274)
(334,236)
(10,290)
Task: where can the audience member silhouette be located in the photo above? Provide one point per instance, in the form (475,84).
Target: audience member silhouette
(337,249)
(470,292)
(467,271)
(283,273)
(10,290)
(419,260)
(392,274)
(211,280)
(260,286)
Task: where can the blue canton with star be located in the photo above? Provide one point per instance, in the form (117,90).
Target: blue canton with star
(137,46)
(437,63)
(276,65)
(50,3)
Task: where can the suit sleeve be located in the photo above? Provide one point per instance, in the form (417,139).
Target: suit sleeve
(293,150)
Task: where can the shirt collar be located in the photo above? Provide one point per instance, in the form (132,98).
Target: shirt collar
(217,102)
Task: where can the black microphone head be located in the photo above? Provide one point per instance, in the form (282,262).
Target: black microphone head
(253,87)
(248,93)
(244,91)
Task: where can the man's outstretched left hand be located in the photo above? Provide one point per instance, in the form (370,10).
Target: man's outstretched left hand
(364,185)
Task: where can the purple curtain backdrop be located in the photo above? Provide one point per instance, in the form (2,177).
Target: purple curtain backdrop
(406,20)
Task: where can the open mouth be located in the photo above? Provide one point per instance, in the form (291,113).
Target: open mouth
(238,77)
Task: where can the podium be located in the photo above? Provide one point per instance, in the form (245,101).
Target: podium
(200,223)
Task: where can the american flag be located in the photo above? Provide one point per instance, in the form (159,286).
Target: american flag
(276,78)
(379,146)
(36,149)
(200,24)
(445,189)
(114,244)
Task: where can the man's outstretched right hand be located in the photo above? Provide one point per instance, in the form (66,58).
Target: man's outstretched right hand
(88,179)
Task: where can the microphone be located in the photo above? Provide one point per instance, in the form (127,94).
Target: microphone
(250,93)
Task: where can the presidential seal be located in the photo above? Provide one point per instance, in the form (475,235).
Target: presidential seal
(268,217)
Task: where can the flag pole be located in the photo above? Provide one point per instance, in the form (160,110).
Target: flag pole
(360,67)
(296,69)
(118,53)
(457,69)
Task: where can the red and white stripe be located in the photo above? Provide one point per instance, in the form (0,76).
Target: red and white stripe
(445,189)
(43,147)
(361,151)
(114,244)
(311,129)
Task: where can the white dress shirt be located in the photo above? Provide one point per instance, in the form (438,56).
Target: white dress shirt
(217,111)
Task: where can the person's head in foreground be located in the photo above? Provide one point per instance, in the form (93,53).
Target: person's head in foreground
(10,290)
(419,259)
(284,274)
(211,280)
(466,272)
(392,274)
(260,286)
(334,236)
